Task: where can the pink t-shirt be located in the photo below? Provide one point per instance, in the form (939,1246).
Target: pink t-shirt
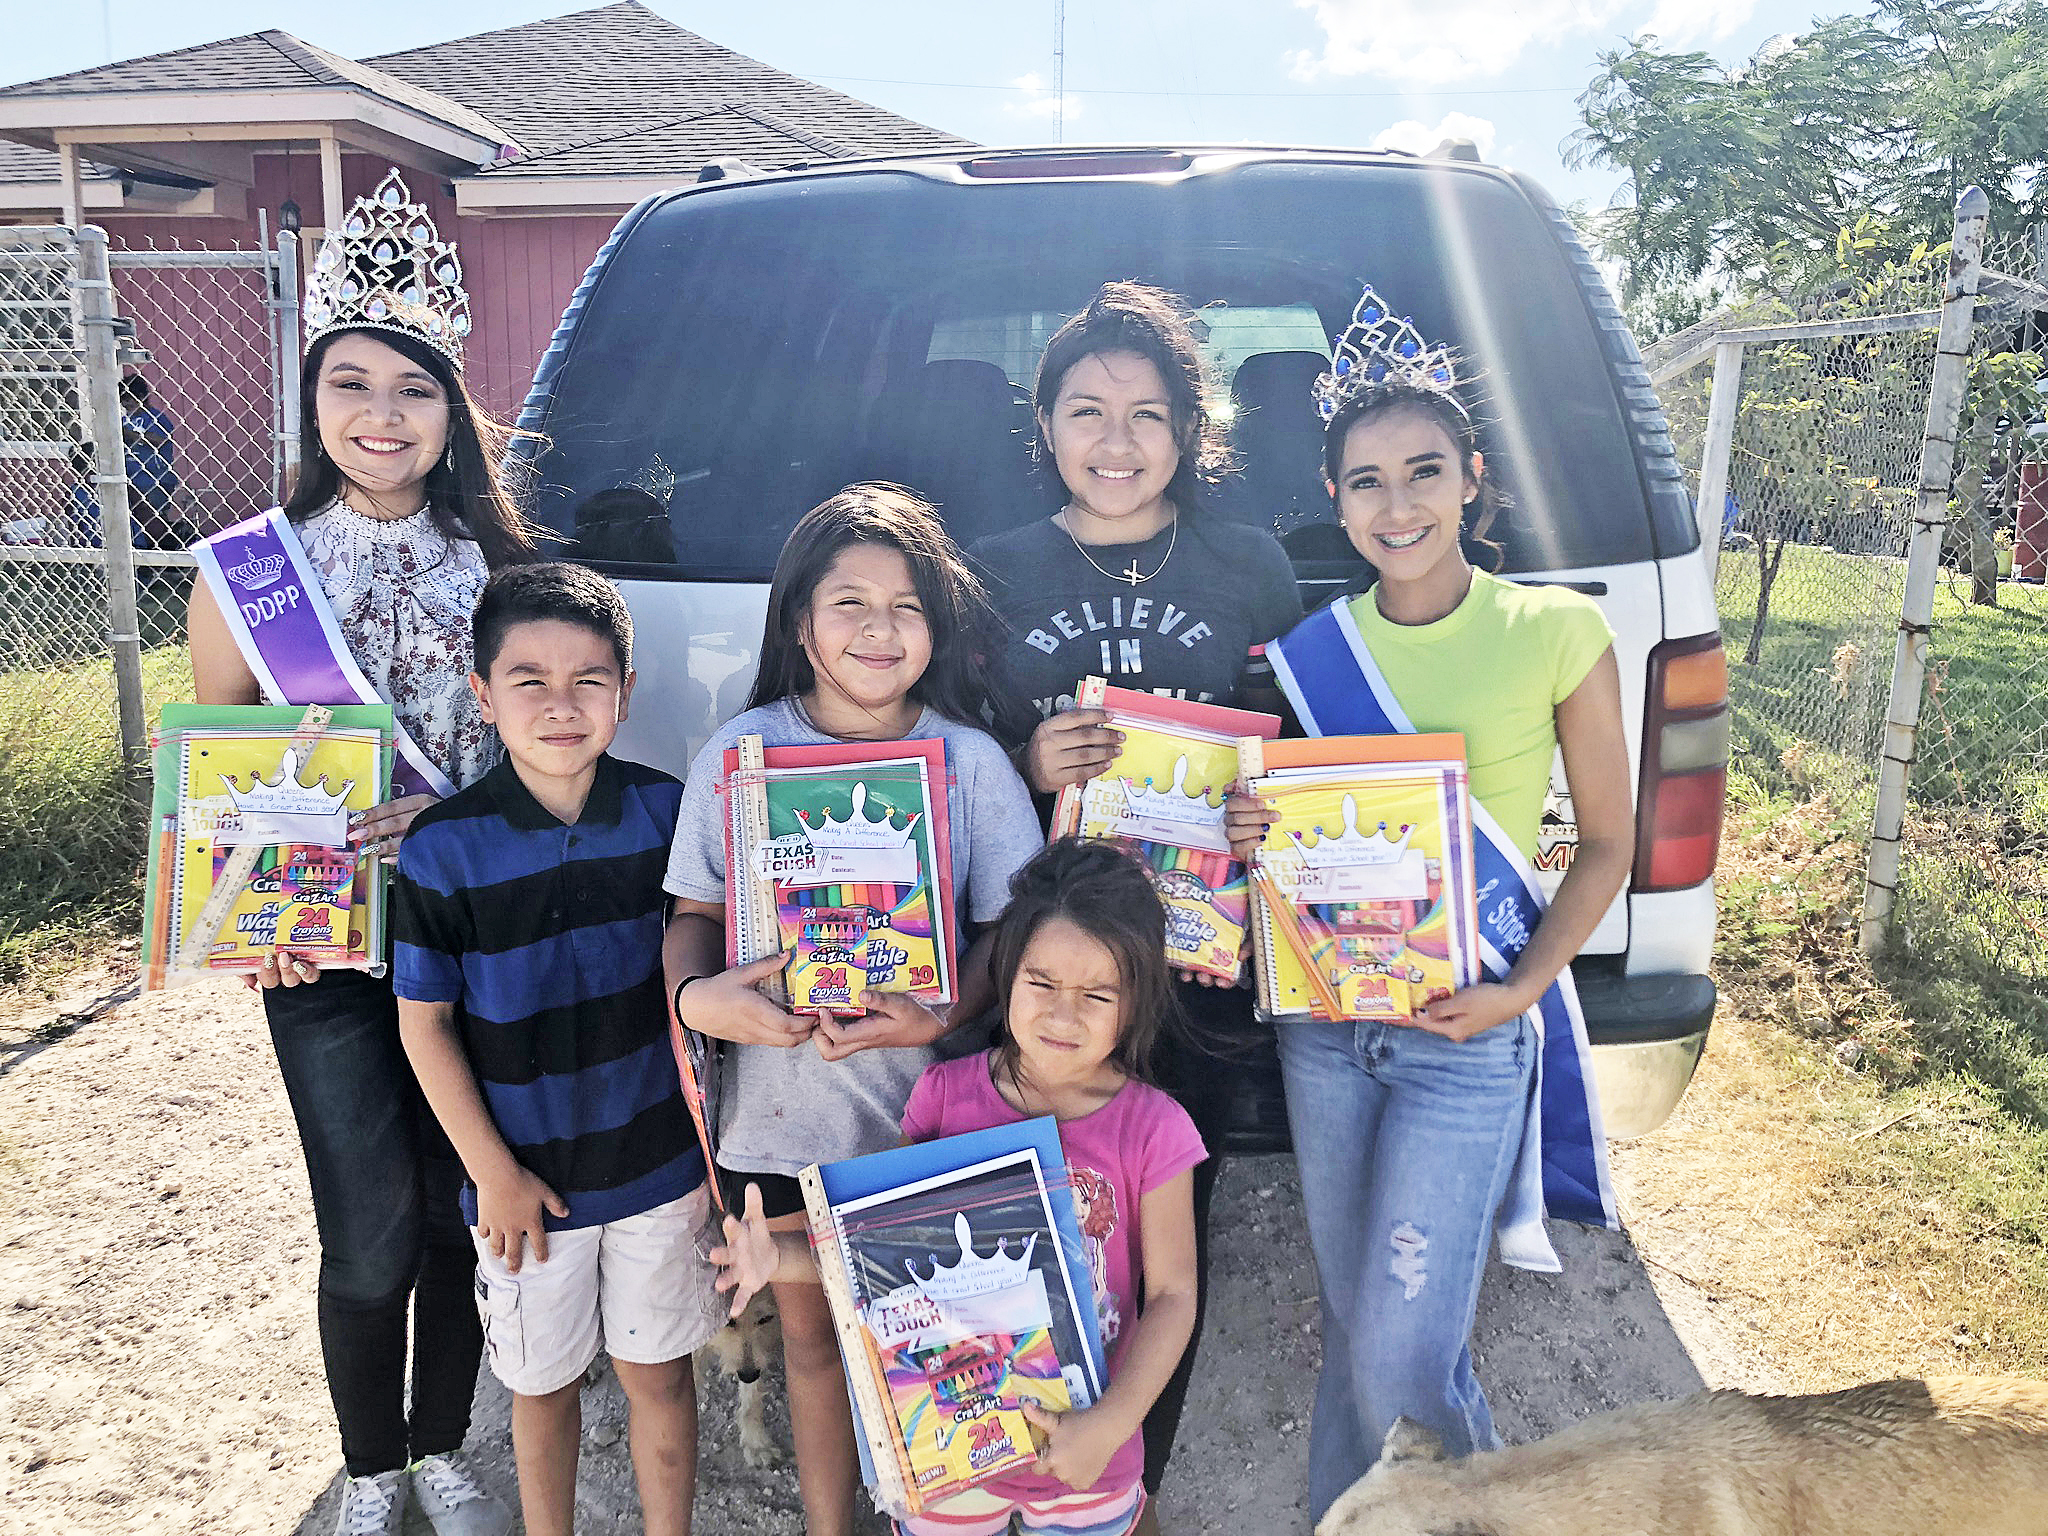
(1115,1157)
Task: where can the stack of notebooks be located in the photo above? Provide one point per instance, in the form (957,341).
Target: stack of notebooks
(960,1290)
(1363,893)
(841,857)
(250,851)
(1163,801)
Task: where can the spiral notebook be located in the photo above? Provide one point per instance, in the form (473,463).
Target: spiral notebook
(960,1290)
(1363,895)
(250,809)
(1163,801)
(853,827)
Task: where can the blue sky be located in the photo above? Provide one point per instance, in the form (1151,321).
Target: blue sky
(1343,72)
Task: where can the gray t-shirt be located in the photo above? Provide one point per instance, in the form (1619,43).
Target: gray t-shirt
(785,1108)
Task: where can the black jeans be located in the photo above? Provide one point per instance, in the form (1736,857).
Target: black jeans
(1194,1067)
(385,1184)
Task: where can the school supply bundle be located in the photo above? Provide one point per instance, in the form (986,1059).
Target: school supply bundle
(1163,801)
(250,853)
(1363,893)
(960,1290)
(841,856)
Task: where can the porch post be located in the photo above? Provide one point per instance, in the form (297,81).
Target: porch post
(330,182)
(74,193)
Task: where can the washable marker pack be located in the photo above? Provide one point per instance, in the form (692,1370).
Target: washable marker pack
(960,1290)
(250,808)
(852,825)
(1163,801)
(1363,895)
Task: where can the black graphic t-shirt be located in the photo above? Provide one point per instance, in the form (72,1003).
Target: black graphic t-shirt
(1183,633)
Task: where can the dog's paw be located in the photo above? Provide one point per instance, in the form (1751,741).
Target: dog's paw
(762,1454)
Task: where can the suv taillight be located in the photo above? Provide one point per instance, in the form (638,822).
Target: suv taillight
(1684,783)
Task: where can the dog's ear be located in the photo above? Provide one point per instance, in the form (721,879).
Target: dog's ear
(1410,1441)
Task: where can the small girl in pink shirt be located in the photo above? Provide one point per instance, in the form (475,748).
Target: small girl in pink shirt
(1084,986)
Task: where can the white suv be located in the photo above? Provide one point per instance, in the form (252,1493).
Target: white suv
(742,348)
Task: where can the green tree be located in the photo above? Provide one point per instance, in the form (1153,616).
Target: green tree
(1753,172)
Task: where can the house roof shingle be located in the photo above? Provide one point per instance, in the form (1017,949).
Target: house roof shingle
(22,163)
(259,61)
(615,90)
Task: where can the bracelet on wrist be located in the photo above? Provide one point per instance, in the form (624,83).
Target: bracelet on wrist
(676,997)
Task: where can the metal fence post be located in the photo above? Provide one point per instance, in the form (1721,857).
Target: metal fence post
(1721,409)
(285,374)
(100,397)
(1923,561)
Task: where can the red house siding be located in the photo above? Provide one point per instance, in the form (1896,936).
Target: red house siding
(212,370)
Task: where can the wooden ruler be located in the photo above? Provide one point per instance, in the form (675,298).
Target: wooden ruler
(242,862)
(760,929)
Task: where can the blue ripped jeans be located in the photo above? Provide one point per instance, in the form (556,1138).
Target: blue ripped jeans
(1406,1141)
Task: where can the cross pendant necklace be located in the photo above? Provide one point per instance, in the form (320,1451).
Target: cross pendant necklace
(1130,574)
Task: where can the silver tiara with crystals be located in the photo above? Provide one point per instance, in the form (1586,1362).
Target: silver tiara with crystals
(1381,354)
(388,269)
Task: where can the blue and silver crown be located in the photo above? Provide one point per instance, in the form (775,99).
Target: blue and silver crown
(1378,352)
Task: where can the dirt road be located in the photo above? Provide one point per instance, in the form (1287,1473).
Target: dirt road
(159,1371)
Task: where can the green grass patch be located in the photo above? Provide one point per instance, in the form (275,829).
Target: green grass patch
(71,822)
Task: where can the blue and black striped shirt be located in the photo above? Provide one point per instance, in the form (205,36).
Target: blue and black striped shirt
(548,938)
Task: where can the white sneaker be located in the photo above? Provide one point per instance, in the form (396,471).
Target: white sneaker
(446,1489)
(372,1506)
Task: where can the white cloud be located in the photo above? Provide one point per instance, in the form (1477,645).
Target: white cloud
(1427,41)
(1419,138)
(1039,102)
(1685,22)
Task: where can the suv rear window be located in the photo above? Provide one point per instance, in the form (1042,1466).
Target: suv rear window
(750,349)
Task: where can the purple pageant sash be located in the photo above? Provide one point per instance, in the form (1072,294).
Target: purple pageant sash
(1331,678)
(278,614)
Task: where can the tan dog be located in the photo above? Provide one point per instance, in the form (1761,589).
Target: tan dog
(742,1349)
(1957,1457)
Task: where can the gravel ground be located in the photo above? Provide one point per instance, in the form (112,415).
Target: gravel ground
(159,1370)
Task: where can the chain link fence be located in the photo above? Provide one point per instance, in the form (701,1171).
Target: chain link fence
(1805,424)
(1974,868)
(1821,462)
(94,520)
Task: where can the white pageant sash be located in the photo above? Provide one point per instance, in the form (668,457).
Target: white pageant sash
(1337,689)
(282,624)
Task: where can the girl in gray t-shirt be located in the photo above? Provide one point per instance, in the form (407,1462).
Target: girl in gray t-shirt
(874,633)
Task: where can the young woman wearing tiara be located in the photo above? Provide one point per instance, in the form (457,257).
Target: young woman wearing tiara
(394,522)
(1417,1141)
(1134,579)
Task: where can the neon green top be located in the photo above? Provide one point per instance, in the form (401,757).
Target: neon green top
(1494,668)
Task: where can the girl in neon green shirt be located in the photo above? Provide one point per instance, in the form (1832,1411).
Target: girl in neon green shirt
(1413,1136)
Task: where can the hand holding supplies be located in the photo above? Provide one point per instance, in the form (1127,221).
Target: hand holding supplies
(1363,892)
(961,1291)
(1162,800)
(251,853)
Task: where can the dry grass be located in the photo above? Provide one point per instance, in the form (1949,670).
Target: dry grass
(1860,1206)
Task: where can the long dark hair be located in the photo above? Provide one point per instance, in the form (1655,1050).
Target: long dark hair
(956,609)
(1159,327)
(466,496)
(1481,513)
(1100,889)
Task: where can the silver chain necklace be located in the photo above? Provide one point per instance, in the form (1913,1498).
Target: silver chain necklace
(1133,575)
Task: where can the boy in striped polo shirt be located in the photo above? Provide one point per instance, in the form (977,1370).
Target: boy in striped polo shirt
(528,924)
